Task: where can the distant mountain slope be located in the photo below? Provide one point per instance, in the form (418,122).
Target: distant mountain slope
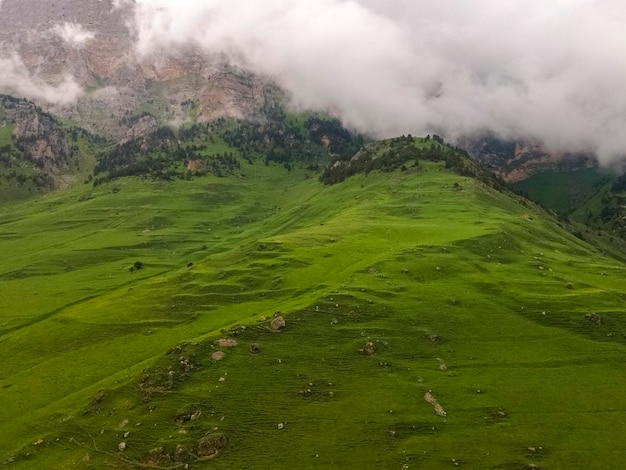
(593,197)
(515,161)
(564,191)
(87,46)
(607,209)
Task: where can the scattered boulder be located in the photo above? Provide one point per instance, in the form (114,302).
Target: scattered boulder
(170,380)
(594,318)
(177,350)
(181,454)
(433,338)
(226,342)
(99,398)
(237,330)
(155,456)
(96,402)
(186,416)
(194,166)
(278,323)
(369,349)
(185,365)
(121,446)
(210,445)
(430,398)
(218,355)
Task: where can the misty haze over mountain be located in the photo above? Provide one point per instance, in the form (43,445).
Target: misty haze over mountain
(553,71)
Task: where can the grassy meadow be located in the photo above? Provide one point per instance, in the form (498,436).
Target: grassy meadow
(430,322)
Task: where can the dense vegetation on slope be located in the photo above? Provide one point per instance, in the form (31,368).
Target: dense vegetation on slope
(404,153)
(38,153)
(593,197)
(607,209)
(429,321)
(212,148)
(564,191)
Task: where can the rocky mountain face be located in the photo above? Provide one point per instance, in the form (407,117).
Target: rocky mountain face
(37,135)
(86,47)
(90,42)
(516,161)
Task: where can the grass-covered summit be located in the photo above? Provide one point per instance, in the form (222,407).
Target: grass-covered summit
(399,319)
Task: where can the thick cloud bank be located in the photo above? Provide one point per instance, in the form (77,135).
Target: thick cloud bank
(553,71)
(73,34)
(15,77)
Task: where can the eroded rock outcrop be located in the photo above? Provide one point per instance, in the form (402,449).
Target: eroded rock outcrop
(36,134)
(91,41)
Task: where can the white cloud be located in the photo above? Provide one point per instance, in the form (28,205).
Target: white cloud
(73,34)
(553,71)
(115,4)
(14,76)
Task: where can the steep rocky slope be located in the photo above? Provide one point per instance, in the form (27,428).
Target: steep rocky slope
(516,161)
(37,135)
(38,152)
(87,46)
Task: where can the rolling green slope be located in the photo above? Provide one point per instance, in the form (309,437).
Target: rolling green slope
(607,209)
(565,191)
(431,322)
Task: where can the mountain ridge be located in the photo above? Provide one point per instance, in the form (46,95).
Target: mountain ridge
(91,43)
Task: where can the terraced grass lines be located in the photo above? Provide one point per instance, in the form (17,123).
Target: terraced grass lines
(400,293)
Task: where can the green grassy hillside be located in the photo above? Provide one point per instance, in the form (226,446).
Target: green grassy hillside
(430,322)
(565,191)
(607,209)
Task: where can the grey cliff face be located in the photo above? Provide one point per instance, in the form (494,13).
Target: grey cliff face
(37,135)
(116,83)
(516,161)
